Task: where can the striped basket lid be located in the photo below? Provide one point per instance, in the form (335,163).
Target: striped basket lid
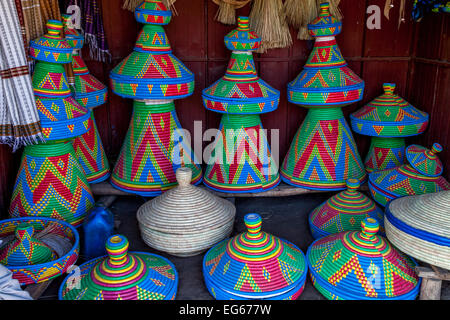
(151,71)
(419,226)
(389,116)
(73,37)
(425,161)
(254,265)
(361,265)
(153,12)
(344,212)
(240,90)
(52,47)
(326,79)
(122,275)
(25,249)
(37,249)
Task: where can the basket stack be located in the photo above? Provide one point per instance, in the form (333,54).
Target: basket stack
(388,120)
(90,93)
(154,147)
(255,265)
(344,212)
(421,175)
(361,265)
(242,160)
(419,226)
(37,249)
(50,181)
(122,275)
(185,220)
(323,154)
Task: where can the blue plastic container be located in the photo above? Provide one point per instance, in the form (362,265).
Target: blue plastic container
(98,227)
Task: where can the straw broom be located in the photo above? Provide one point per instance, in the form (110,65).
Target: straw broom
(268,20)
(226,13)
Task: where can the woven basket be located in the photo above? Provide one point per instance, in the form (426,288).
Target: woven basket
(186,220)
(419,226)
(389,118)
(32,265)
(420,176)
(254,265)
(240,90)
(52,47)
(344,212)
(153,126)
(242,159)
(361,265)
(122,275)
(51,183)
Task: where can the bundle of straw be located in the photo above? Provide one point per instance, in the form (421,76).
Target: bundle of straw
(309,13)
(268,20)
(226,13)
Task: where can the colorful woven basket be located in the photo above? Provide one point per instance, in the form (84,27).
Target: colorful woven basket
(51,183)
(151,71)
(73,37)
(91,154)
(344,212)
(242,160)
(388,119)
(122,275)
(323,154)
(421,175)
(153,150)
(419,226)
(255,265)
(52,47)
(185,220)
(240,90)
(361,265)
(37,249)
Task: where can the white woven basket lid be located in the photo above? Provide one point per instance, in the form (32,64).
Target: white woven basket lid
(429,212)
(186,209)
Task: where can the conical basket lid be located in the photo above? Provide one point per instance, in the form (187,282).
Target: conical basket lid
(344,212)
(240,90)
(186,208)
(89,91)
(52,47)
(326,79)
(254,265)
(425,161)
(151,71)
(389,116)
(361,265)
(123,275)
(419,226)
(73,37)
(25,249)
(62,119)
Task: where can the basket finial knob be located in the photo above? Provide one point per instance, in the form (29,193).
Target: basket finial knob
(117,248)
(389,88)
(370,227)
(54,28)
(436,148)
(24,231)
(184,176)
(353,184)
